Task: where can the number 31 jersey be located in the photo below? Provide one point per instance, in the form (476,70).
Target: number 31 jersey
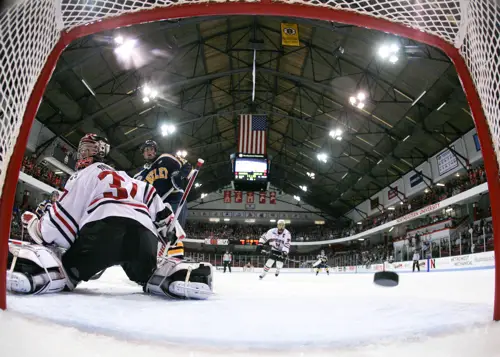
(94,193)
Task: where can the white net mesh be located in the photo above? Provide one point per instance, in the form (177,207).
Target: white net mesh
(29,31)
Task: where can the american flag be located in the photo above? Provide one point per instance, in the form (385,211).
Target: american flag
(253,136)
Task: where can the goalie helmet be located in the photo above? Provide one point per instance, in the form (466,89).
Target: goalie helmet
(91,149)
(149,144)
(281,225)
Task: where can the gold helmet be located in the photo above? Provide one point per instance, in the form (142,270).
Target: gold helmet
(281,224)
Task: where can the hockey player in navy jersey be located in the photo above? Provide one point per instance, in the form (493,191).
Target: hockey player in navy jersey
(44,206)
(104,218)
(321,263)
(166,172)
(279,239)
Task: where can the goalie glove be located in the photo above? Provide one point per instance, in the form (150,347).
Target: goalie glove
(31,222)
(162,227)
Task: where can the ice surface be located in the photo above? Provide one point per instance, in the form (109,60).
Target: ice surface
(436,314)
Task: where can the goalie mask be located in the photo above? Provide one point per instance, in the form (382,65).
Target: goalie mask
(281,226)
(91,149)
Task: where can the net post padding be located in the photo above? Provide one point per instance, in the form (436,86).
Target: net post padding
(254,8)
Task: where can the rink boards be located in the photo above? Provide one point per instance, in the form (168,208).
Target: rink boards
(477,261)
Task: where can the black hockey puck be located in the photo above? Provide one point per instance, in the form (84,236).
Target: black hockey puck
(386,278)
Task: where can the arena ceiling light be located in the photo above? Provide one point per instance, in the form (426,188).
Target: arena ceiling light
(125,48)
(358,100)
(167,129)
(311,175)
(303,188)
(440,184)
(227,219)
(196,185)
(336,134)
(182,153)
(389,53)
(322,157)
(148,93)
(296,198)
(272,220)
(203,195)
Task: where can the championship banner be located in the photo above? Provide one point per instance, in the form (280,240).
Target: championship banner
(416,179)
(392,193)
(446,161)
(250,197)
(290,35)
(262,197)
(238,196)
(272,198)
(227,196)
(374,203)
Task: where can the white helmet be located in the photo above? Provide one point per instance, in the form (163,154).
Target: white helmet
(92,148)
(281,224)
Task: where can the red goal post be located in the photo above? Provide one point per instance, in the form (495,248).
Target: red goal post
(33,35)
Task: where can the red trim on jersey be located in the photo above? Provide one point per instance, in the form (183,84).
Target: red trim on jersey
(150,194)
(63,221)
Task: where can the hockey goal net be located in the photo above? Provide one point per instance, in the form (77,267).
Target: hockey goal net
(34,33)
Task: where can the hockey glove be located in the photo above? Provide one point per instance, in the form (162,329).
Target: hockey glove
(259,249)
(284,254)
(31,222)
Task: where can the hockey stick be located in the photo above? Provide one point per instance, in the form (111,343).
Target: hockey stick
(192,177)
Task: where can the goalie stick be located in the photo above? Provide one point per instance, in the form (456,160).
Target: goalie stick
(171,237)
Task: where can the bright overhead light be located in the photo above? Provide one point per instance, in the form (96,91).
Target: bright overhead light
(336,134)
(389,52)
(203,195)
(361,239)
(401,202)
(406,138)
(196,185)
(339,138)
(449,209)
(391,208)
(390,230)
(458,175)
(379,161)
(352,100)
(322,157)
(167,129)
(426,190)
(441,106)
(361,105)
(360,223)
(88,87)
(181,153)
(249,220)
(311,175)
(419,97)
(303,188)
(361,96)
(272,220)
(149,93)
(125,50)
(440,184)
(119,40)
(393,59)
(296,198)
(227,219)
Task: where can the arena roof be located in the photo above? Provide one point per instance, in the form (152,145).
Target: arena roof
(202,70)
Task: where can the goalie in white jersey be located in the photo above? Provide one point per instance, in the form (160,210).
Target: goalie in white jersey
(104,218)
(279,240)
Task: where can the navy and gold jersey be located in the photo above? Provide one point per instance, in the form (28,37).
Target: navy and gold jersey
(323,258)
(159,174)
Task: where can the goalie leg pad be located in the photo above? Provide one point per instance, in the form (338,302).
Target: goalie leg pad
(177,279)
(37,270)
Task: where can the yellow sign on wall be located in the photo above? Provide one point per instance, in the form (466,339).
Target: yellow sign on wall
(289,35)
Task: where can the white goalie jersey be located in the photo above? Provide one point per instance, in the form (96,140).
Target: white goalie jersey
(95,193)
(280,242)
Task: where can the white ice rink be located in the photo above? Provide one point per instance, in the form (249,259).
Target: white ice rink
(296,314)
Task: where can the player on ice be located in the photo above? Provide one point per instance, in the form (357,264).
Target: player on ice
(44,206)
(166,173)
(279,239)
(104,218)
(321,263)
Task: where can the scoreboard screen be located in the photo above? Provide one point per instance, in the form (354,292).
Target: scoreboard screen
(250,169)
